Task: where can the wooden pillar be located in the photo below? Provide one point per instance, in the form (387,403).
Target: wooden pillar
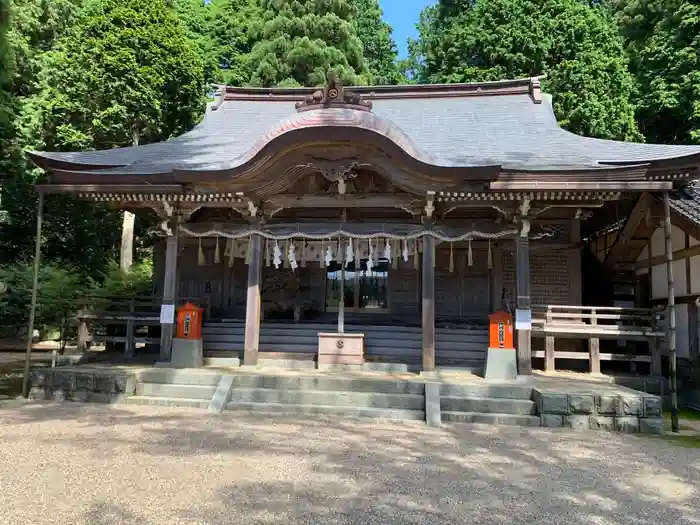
(549,360)
(428,304)
(594,347)
(671,313)
(32,304)
(522,286)
(172,250)
(253,303)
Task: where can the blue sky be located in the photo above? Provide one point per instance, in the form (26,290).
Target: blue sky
(403,15)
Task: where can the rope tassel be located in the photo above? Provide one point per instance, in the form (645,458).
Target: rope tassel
(415,255)
(217,254)
(470,256)
(201,261)
(452,258)
(395,254)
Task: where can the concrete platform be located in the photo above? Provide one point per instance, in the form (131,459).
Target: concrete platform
(551,400)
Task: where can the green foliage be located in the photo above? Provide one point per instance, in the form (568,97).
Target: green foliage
(379,48)
(128,65)
(663,42)
(576,45)
(299,42)
(125,285)
(58,293)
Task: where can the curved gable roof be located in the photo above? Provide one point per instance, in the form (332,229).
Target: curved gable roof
(505,124)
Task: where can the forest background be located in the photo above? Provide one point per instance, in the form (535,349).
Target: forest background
(97,74)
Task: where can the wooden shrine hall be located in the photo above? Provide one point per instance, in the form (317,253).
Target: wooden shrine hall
(405,213)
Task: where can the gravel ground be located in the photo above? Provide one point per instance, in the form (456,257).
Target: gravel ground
(91,464)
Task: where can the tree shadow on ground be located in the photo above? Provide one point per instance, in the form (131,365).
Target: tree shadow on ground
(286,469)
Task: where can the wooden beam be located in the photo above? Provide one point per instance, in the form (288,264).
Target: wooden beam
(170,287)
(678,255)
(581,186)
(671,315)
(428,304)
(522,286)
(253,303)
(352,200)
(632,224)
(147,189)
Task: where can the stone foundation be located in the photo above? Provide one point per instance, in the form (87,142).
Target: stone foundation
(94,386)
(628,413)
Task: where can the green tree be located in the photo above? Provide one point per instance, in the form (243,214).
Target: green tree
(299,41)
(576,45)
(378,45)
(663,43)
(230,30)
(7,102)
(125,67)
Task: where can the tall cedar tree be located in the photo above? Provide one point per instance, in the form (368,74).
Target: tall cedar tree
(299,41)
(378,45)
(576,45)
(663,43)
(7,102)
(125,65)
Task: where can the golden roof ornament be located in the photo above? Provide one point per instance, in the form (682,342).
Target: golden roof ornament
(333,94)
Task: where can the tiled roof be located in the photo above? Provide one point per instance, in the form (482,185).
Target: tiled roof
(511,129)
(686,202)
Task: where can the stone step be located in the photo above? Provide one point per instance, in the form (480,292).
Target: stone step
(492,405)
(347,411)
(175,391)
(452,351)
(179,376)
(486,390)
(491,418)
(327,398)
(166,402)
(302,332)
(327,383)
(222,361)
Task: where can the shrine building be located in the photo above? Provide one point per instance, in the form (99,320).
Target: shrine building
(405,213)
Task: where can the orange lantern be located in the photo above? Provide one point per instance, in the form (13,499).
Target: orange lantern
(189,322)
(501,330)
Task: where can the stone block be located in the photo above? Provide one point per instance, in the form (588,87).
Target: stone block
(606,404)
(124,385)
(598,422)
(552,420)
(39,393)
(82,396)
(59,395)
(432,405)
(629,406)
(84,382)
(63,380)
(627,424)
(553,403)
(187,353)
(41,378)
(578,422)
(103,383)
(652,406)
(651,425)
(581,404)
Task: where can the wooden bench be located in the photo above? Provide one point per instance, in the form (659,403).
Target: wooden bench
(593,324)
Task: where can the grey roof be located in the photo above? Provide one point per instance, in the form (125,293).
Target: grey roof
(509,130)
(686,202)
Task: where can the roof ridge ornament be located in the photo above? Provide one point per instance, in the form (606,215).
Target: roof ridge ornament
(334,94)
(536,88)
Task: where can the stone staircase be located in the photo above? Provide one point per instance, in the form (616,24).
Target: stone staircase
(495,404)
(302,394)
(463,347)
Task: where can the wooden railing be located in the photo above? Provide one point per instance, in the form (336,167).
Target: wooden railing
(593,323)
(135,315)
